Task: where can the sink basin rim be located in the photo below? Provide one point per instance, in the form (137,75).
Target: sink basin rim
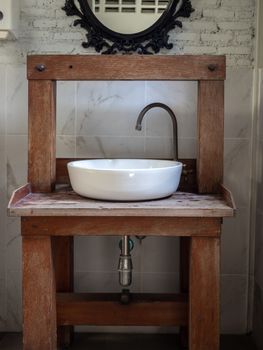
(164,164)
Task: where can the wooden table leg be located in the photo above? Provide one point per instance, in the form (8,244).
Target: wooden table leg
(204,307)
(184,281)
(64,271)
(39,295)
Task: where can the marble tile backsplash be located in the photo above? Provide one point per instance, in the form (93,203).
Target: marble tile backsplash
(102,117)
(97,119)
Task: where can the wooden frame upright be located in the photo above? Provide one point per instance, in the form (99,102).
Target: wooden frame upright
(48,300)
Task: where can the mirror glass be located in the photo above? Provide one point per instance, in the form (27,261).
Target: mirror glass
(128,16)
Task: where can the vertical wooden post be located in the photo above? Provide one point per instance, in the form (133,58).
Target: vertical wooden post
(63,261)
(39,290)
(204,304)
(42,135)
(39,295)
(42,176)
(211,135)
(184,281)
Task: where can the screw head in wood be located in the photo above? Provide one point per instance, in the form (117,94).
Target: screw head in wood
(40,67)
(212,67)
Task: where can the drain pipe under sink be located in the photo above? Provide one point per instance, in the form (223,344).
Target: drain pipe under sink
(125,262)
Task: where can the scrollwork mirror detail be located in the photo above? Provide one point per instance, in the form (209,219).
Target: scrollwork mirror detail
(108,41)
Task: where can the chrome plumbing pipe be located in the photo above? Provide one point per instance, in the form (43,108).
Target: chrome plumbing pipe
(125,250)
(125,263)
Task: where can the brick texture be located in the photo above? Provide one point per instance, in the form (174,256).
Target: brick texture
(216,27)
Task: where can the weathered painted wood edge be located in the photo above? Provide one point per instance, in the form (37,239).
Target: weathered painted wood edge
(19,194)
(139,209)
(134,67)
(228,197)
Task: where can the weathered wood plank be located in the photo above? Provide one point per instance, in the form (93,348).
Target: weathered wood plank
(64,271)
(42,135)
(204,308)
(211,136)
(65,202)
(39,295)
(117,226)
(81,309)
(133,67)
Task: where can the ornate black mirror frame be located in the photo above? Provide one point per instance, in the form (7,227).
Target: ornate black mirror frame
(148,41)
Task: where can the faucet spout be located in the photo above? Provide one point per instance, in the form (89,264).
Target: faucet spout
(174,121)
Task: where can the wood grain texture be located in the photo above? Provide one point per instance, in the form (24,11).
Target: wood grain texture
(211,136)
(228,197)
(124,67)
(184,281)
(117,226)
(39,295)
(83,309)
(63,261)
(65,202)
(42,135)
(204,307)
(63,248)
(20,193)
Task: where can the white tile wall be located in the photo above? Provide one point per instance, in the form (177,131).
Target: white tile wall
(97,254)
(66,108)
(109,108)
(238,103)
(234,304)
(181,97)
(16,158)
(98,120)
(236,173)
(16,97)
(258,295)
(235,244)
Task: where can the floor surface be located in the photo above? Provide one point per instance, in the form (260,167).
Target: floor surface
(83,341)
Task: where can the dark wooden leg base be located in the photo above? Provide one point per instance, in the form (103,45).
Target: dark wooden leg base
(63,251)
(65,336)
(184,283)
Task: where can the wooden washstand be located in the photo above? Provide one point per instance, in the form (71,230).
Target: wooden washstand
(52,214)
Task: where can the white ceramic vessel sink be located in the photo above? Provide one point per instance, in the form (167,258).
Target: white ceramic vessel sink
(125,179)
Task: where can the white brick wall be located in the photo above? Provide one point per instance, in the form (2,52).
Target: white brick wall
(216,27)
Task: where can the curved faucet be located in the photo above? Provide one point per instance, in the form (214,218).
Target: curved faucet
(174,120)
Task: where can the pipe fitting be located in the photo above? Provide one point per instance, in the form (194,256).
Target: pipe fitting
(125,270)
(125,262)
